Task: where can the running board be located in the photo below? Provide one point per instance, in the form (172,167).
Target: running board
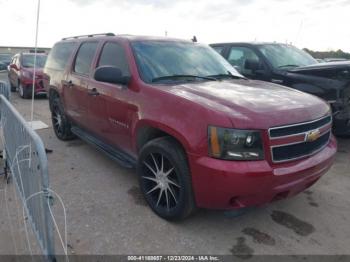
(120,157)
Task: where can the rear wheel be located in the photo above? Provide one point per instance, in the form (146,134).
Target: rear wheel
(165,179)
(60,122)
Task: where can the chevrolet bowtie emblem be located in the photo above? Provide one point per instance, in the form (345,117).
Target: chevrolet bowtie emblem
(312,135)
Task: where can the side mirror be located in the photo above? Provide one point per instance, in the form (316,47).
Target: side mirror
(252,64)
(111,74)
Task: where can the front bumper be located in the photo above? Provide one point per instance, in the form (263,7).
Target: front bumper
(220,184)
(39,86)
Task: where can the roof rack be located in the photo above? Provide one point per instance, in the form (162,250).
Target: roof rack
(92,35)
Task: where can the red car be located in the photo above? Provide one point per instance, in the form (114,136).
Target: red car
(199,133)
(21,71)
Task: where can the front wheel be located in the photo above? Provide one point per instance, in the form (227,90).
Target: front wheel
(23,92)
(165,179)
(13,87)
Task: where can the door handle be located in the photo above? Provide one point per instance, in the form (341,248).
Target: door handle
(67,83)
(93,92)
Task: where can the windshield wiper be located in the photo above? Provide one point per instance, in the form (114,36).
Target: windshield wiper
(170,77)
(220,76)
(288,66)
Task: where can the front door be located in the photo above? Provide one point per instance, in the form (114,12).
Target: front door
(111,104)
(242,57)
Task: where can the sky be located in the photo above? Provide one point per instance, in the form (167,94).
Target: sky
(315,24)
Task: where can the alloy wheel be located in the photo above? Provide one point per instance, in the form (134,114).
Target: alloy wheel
(161,181)
(57,120)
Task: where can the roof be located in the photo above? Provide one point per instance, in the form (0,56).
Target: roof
(31,53)
(250,43)
(123,36)
(152,38)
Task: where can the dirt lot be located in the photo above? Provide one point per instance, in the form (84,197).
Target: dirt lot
(107,214)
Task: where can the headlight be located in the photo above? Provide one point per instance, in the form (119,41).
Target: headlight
(235,144)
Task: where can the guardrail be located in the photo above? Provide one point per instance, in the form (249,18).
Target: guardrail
(27,163)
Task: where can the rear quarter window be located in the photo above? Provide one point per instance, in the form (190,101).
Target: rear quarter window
(59,56)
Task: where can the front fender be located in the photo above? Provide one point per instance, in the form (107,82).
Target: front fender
(162,127)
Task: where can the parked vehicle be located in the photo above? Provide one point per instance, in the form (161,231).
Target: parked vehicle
(21,71)
(335,59)
(286,65)
(320,60)
(197,131)
(3,66)
(5,58)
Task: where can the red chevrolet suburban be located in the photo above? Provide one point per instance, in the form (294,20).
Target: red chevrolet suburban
(199,134)
(20,74)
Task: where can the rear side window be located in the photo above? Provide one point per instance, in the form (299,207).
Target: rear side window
(59,55)
(113,54)
(84,58)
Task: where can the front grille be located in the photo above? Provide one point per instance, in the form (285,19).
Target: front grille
(295,151)
(296,141)
(299,128)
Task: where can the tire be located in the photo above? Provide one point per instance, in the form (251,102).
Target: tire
(60,122)
(23,92)
(169,195)
(13,88)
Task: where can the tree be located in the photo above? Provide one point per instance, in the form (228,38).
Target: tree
(328,54)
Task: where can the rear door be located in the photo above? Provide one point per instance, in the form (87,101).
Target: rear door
(109,108)
(77,83)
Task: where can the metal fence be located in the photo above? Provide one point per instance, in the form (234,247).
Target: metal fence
(27,162)
(5,89)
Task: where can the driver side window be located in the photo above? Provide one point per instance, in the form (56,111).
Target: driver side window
(113,54)
(242,58)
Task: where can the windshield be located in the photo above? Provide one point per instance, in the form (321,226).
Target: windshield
(284,56)
(5,58)
(28,61)
(159,60)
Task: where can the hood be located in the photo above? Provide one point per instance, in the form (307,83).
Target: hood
(253,104)
(326,80)
(322,66)
(39,71)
